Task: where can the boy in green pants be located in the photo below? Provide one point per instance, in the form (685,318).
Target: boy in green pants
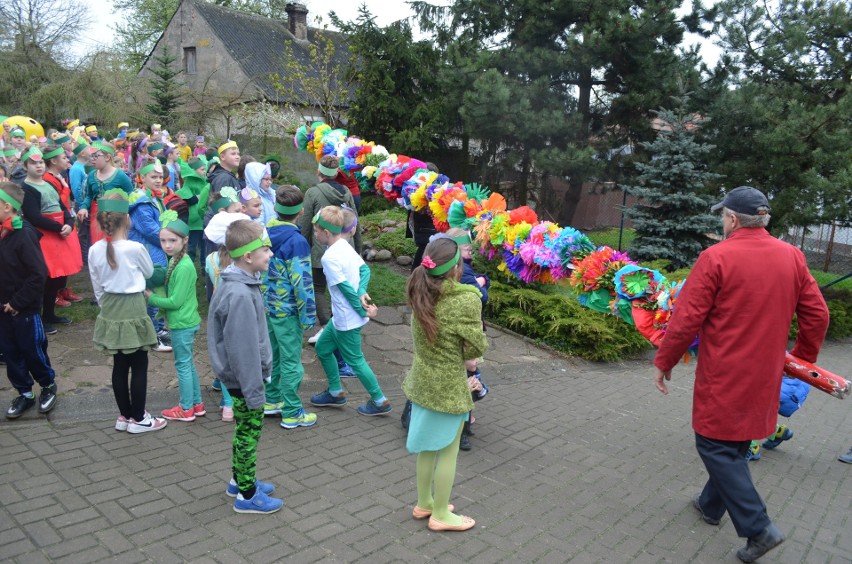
(288,293)
(241,357)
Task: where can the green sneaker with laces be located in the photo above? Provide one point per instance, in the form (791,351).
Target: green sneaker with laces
(302,419)
(273,408)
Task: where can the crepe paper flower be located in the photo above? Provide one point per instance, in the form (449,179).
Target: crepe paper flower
(230,193)
(476,192)
(598,269)
(495,202)
(632,282)
(300,139)
(523,214)
(428,262)
(167,217)
(247,194)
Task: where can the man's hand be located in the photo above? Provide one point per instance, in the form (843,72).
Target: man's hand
(659,379)
(9,309)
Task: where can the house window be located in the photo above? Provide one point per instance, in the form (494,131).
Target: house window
(189,60)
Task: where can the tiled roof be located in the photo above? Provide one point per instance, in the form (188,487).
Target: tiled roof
(255,43)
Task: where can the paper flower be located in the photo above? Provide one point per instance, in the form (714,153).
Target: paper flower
(167,217)
(428,262)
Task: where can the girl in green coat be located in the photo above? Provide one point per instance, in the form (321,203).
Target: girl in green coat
(447,330)
(180,306)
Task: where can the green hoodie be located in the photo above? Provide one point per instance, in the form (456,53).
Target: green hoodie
(180,305)
(199,187)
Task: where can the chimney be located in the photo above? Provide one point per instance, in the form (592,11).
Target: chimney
(297,16)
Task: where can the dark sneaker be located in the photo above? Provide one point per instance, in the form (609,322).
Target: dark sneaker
(345,370)
(19,405)
(783,433)
(405,420)
(57,320)
(372,408)
(696,503)
(847,458)
(761,543)
(325,399)
(50,330)
(47,399)
(464,442)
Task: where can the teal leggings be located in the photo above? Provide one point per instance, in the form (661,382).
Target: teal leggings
(349,345)
(183,341)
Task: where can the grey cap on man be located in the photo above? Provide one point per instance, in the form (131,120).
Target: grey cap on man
(745,200)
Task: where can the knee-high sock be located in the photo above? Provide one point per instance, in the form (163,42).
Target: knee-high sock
(445,476)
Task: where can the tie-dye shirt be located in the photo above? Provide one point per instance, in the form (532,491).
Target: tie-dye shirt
(288,287)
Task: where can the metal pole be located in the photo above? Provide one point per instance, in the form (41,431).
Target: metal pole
(621,227)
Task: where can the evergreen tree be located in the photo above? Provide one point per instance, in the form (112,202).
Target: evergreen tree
(672,219)
(165,89)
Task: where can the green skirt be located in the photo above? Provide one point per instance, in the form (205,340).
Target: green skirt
(123,325)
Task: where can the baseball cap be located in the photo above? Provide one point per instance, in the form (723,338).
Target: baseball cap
(745,200)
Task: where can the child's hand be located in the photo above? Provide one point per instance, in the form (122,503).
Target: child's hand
(372,311)
(481,280)
(366,301)
(66,230)
(474,384)
(147,293)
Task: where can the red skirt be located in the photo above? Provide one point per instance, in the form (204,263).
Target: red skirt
(62,254)
(95,232)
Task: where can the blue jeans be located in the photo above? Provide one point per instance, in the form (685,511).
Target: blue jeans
(187,375)
(159,323)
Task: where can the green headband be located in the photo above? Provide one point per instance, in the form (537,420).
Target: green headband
(155,147)
(17,132)
(33,153)
(147,168)
(326,225)
(462,239)
(442,269)
(62,139)
(288,210)
(98,146)
(80,148)
(253,246)
(10,152)
(54,153)
(6,197)
(222,203)
(114,206)
(329,172)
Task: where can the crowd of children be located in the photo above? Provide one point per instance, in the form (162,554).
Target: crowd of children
(138,210)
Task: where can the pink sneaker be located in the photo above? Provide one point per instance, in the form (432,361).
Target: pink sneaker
(198,410)
(177,413)
(227,413)
(121,423)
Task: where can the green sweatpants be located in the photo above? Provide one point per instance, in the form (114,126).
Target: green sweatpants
(349,345)
(285,335)
(249,424)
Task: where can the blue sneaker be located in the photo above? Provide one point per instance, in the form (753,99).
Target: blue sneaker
(372,408)
(325,399)
(345,370)
(264,487)
(260,503)
(781,434)
(216,385)
(753,451)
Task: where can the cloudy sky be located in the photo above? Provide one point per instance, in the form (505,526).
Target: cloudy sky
(100,33)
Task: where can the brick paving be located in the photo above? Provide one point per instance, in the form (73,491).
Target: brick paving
(572,461)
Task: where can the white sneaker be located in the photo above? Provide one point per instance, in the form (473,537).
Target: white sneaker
(162,347)
(147,424)
(121,423)
(313,340)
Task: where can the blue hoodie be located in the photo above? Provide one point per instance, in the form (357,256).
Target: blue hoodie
(145,226)
(469,277)
(288,287)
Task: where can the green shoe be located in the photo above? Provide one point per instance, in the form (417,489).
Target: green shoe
(302,419)
(273,408)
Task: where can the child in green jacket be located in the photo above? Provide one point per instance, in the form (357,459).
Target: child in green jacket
(447,331)
(180,306)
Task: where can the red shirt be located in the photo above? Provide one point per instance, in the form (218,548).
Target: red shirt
(349,181)
(739,299)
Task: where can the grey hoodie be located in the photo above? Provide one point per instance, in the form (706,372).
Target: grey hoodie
(329,193)
(237,337)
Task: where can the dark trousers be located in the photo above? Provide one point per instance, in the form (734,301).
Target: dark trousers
(24,345)
(84,234)
(730,486)
(196,246)
(130,383)
(51,289)
(320,297)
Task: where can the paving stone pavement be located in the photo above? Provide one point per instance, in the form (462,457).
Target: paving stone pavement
(572,461)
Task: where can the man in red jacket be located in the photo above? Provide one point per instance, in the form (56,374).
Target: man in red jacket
(740,299)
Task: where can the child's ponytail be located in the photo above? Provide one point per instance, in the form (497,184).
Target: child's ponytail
(110,222)
(423,289)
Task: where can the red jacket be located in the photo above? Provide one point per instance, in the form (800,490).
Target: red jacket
(740,299)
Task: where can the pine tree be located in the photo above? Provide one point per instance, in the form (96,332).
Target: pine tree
(672,219)
(165,89)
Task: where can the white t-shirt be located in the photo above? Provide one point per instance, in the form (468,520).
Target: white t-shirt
(341,263)
(134,266)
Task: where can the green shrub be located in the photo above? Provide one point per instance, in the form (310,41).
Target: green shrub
(396,243)
(371,203)
(562,323)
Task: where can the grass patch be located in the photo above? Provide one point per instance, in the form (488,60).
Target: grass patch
(387,288)
(609,237)
(824,278)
